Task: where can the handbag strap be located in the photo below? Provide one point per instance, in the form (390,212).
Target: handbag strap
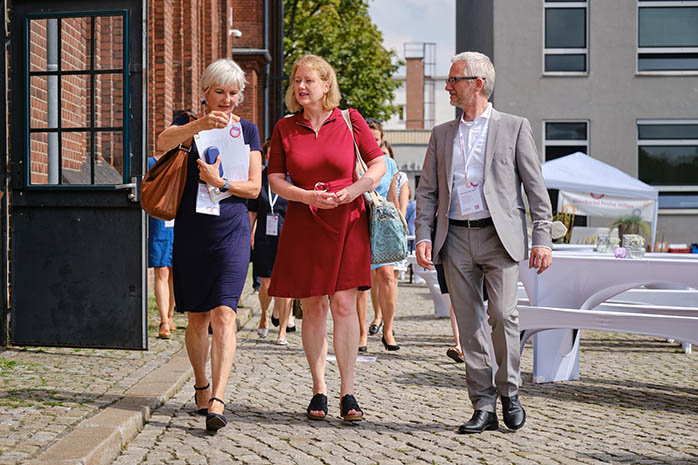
(186,145)
(361,168)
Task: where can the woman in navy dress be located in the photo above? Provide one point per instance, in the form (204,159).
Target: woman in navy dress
(211,254)
(267,214)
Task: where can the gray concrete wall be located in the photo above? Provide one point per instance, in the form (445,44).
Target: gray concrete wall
(612,96)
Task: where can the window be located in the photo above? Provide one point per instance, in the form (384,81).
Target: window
(667,36)
(565,49)
(668,160)
(76,96)
(565,137)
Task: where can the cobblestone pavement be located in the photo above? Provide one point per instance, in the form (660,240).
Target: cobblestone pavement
(636,403)
(45,391)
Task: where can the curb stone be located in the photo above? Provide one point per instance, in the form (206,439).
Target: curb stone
(99,440)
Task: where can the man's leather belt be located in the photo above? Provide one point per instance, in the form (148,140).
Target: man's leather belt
(472,224)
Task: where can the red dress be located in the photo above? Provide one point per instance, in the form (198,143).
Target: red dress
(321,251)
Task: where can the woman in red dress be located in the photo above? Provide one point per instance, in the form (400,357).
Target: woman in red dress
(323,247)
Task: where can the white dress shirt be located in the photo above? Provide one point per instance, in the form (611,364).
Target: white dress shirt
(469,162)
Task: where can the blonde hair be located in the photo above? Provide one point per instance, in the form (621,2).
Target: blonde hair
(224,72)
(327,74)
(478,64)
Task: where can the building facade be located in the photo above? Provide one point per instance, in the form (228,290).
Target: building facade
(616,80)
(184,36)
(86,89)
(422,103)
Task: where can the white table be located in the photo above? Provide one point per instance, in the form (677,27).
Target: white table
(583,281)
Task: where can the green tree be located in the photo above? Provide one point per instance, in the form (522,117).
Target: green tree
(341,32)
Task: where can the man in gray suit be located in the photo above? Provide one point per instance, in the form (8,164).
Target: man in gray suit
(470,205)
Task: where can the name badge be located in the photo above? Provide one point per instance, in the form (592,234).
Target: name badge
(204,204)
(471,199)
(272,225)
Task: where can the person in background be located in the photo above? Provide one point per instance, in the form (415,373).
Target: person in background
(160,238)
(384,289)
(324,255)
(211,253)
(410,212)
(473,173)
(267,214)
(376,127)
(399,189)
(400,182)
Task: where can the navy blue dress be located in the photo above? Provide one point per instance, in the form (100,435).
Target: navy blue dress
(211,254)
(265,246)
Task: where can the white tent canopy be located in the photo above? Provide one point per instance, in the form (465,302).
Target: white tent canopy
(582,174)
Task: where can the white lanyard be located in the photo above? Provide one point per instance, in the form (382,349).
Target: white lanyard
(466,155)
(272,202)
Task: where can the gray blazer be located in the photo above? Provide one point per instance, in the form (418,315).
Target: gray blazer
(511,160)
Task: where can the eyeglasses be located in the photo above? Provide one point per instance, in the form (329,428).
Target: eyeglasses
(453,80)
(372,120)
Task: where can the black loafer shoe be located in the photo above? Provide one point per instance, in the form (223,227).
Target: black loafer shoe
(513,413)
(481,421)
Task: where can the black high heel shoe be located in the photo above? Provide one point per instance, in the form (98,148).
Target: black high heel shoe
(200,411)
(389,346)
(215,421)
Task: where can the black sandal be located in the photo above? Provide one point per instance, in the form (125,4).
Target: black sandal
(347,404)
(317,404)
(215,421)
(200,411)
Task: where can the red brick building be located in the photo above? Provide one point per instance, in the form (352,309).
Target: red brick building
(186,35)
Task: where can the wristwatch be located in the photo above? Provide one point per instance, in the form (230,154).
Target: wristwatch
(226,187)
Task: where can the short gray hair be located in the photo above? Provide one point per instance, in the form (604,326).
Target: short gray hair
(224,72)
(478,64)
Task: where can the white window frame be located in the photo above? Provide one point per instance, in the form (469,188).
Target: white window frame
(558,142)
(670,142)
(566,51)
(672,50)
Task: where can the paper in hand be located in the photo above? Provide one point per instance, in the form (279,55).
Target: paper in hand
(234,153)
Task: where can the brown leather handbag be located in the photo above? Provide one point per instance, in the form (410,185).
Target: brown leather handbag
(163,184)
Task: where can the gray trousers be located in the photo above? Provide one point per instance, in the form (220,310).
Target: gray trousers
(468,257)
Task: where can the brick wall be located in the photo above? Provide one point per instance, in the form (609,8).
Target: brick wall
(414,89)
(184,37)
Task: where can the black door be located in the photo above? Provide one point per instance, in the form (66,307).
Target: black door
(77,234)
